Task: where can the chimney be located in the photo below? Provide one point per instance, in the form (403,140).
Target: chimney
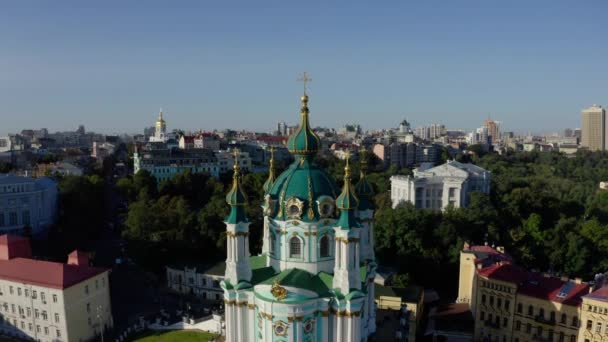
(78,258)
(500,249)
(466,246)
(578,280)
(13,246)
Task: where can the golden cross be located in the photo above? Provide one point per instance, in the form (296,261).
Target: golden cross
(305,79)
(272,152)
(236,156)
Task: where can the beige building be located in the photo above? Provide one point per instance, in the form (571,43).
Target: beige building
(510,303)
(594,128)
(198,280)
(594,317)
(49,301)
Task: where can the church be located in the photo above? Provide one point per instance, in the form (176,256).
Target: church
(313,280)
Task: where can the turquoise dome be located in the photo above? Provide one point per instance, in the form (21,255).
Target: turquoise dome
(236,199)
(308,183)
(304,141)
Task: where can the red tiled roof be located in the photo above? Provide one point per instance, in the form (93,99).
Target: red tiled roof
(188,139)
(601,294)
(46,273)
(536,285)
(548,288)
(504,272)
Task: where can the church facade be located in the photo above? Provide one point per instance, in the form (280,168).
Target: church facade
(313,280)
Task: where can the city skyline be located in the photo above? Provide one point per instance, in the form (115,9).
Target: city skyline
(532,66)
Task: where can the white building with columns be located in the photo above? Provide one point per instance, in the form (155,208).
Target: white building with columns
(314,278)
(438,187)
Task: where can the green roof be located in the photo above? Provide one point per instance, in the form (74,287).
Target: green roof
(410,294)
(236,198)
(304,180)
(320,284)
(304,141)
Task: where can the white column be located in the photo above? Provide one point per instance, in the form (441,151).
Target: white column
(229,324)
(239,322)
(229,249)
(300,332)
(251,321)
(338,328)
(325,328)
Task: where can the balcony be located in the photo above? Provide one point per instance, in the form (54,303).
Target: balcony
(543,320)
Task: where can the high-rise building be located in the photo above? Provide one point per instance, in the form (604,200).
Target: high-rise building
(493,130)
(594,128)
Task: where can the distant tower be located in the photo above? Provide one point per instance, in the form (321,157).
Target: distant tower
(160,129)
(493,130)
(594,128)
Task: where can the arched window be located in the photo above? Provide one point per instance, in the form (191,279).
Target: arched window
(295,248)
(273,239)
(564,319)
(530,310)
(324,246)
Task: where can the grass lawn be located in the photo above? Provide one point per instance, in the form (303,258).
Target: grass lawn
(175,336)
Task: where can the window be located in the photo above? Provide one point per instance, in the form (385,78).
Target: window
(561,337)
(18,291)
(541,313)
(552,316)
(518,325)
(505,322)
(539,331)
(483,315)
(46,330)
(507,304)
(44,315)
(27,293)
(54,298)
(520,308)
(273,241)
(530,310)
(56,318)
(564,319)
(483,299)
(34,295)
(575,322)
(10,289)
(491,300)
(42,298)
(36,313)
(37,328)
(58,332)
(498,302)
(295,247)
(598,327)
(25,217)
(1,219)
(89,307)
(29,312)
(528,328)
(12,218)
(86,289)
(324,246)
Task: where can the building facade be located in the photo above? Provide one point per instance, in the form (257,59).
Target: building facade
(593,129)
(314,278)
(438,187)
(510,303)
(27,202)
(48,301)
(198,280)
(165,163)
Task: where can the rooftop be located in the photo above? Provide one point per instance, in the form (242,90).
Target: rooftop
(600,294)
(46,273)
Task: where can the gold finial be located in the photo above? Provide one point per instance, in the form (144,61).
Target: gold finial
(363,160)
(271,155)
(305,78)
(236,160)
(347,167)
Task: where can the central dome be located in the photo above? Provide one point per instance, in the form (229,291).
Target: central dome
(304,191)
(306,185)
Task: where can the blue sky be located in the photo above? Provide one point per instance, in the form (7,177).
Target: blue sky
(110,65)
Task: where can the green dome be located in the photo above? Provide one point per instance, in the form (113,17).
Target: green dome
(304,141)
(347,202)
(236,198)
(303,184)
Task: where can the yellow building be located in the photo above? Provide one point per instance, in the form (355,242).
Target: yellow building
(50,301)
(510,303)
(594,317)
